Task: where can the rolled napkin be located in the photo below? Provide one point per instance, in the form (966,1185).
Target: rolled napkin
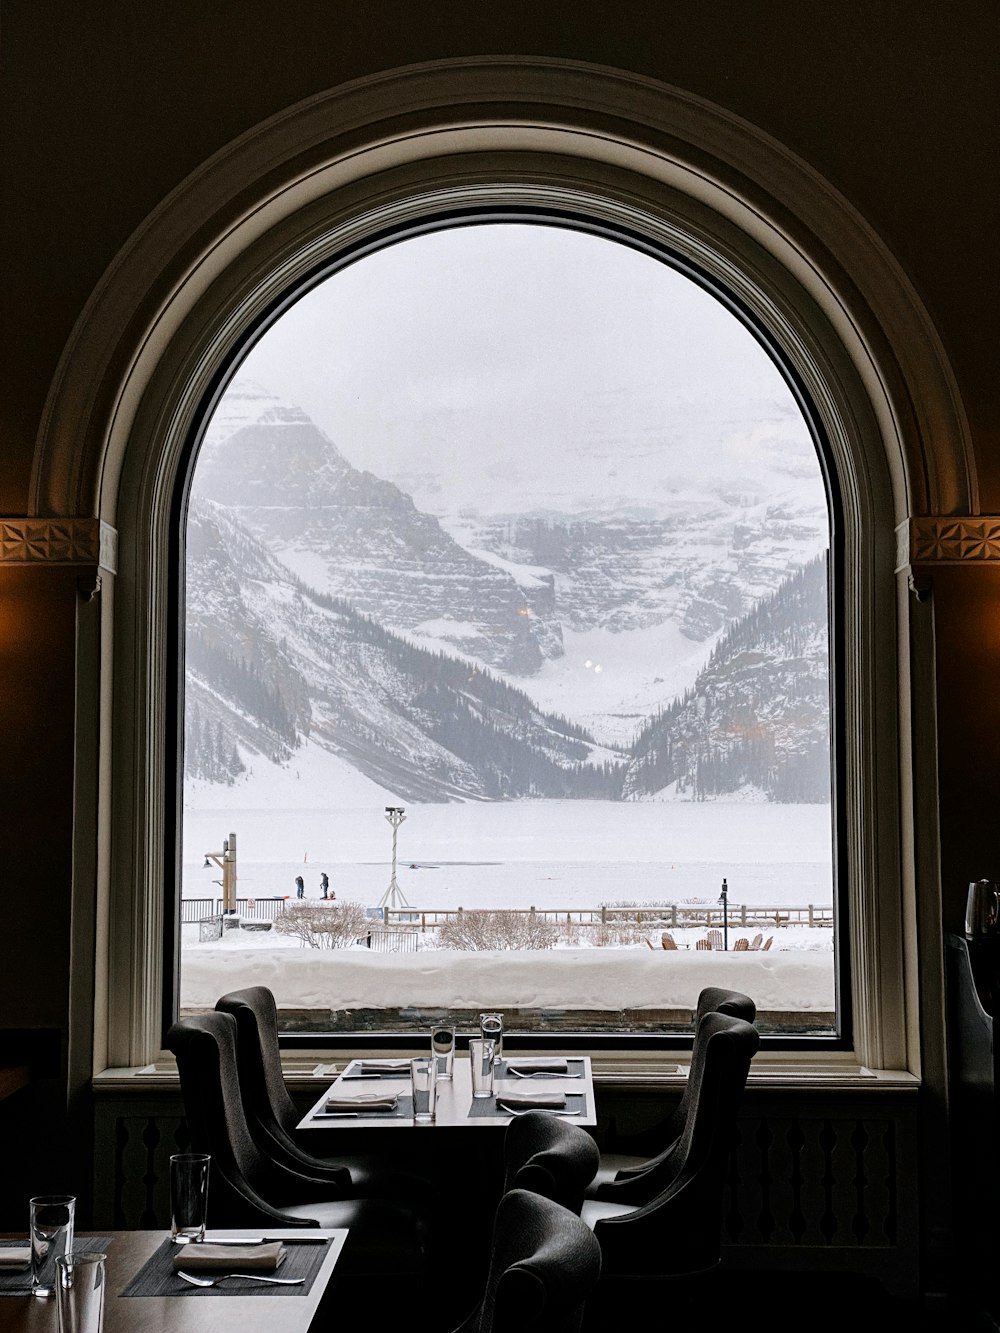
(526,1066)
(365,1101)
(230,1258)
(519,1100)
(14,1258)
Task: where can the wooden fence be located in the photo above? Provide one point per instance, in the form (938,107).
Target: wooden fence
(672,916)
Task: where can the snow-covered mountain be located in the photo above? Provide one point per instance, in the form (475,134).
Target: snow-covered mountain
(323,602)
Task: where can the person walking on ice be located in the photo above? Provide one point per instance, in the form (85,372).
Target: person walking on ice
(300,887)
(324,883)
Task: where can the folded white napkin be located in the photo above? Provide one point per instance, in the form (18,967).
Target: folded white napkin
(541,1066)
(519,1100)
(370,1101)
(230,1258)
(384,1066)
(14,1258)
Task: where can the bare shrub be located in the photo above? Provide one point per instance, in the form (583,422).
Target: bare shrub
(622,928)
(324,925)
(497,930)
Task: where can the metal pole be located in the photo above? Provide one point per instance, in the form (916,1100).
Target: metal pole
(724,900)
(393,897)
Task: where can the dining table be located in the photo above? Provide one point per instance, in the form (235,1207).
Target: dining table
(565,1081)
(132,1263)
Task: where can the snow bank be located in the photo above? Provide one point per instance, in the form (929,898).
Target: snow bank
(605,978)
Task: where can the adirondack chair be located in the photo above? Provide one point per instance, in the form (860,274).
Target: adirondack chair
(755,942)
(715,939)
(703,944)
(667,940)
(768,942)
(741,945)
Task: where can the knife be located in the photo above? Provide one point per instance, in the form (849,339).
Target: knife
(260,1240)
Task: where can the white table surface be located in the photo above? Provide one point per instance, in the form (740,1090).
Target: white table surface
(454,1098)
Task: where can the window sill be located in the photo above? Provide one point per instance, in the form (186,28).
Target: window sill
(791,1070)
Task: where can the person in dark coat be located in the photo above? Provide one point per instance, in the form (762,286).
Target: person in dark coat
(324,883)
(300,887)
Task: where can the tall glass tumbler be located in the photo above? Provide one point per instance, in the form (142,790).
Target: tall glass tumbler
(443,1048)
(81,1283)
(423,1084)
(482,1056)
(51,1218)
(188,1195)
(491,1029)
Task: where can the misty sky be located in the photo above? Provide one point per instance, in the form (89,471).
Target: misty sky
(468,364)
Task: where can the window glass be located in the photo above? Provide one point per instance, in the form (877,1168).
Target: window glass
(506,668)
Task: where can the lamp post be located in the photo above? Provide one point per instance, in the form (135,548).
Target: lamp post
(393,897)
(724,900)
(226,861)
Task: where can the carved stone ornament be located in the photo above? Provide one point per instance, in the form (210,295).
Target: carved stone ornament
(949,540)
(58,541)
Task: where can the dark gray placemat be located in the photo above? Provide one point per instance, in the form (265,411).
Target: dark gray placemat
(157,1277)
(574,1069)
(487,1106)
(19,1284)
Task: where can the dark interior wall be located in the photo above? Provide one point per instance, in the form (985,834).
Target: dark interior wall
(108,106)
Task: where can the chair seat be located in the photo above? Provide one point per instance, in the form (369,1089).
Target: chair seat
(596,1210)
(611,1164)
(378,1229)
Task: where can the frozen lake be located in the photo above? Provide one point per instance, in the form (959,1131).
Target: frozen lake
(547,854)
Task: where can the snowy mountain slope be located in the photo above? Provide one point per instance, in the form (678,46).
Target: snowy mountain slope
(269,659)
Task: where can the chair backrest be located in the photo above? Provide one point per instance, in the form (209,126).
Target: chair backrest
(667,940)
(742,944)
(768,942)
(715,939)
(205,1049)
(711,1000)
(544,1264)
(549,1156)
(703,944)
(680,1231)
(270,1111)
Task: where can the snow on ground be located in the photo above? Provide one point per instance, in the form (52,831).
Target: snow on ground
(605,978)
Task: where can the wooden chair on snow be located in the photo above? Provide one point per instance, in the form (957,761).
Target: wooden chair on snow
(667,940)
(715,939)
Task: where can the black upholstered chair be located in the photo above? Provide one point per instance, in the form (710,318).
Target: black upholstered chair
(272,1116)
(247,1188)
(677,1237)
(544,1264)
(625,1178)
(549,1156)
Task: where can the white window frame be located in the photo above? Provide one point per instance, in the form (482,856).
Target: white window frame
(405,146)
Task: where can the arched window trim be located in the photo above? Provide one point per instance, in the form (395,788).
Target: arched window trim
(197,276)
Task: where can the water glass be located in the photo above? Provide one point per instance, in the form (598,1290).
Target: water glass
(51,1231)
(188,1195)
(491,1029)
(423,1084)
(443,1048)
(81,1281)
(482,1057)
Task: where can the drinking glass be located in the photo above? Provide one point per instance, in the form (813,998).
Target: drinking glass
(80,1290)
(443,1048)
(482,1056)
(51,1232)
(188,1195)
(423,1083)
(491,1028)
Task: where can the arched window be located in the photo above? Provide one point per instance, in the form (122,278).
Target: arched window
(421,149)
(513,529)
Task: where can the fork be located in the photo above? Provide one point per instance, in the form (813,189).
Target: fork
(251,1277)
(549,1110)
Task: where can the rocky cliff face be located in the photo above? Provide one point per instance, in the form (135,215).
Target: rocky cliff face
(360,538)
